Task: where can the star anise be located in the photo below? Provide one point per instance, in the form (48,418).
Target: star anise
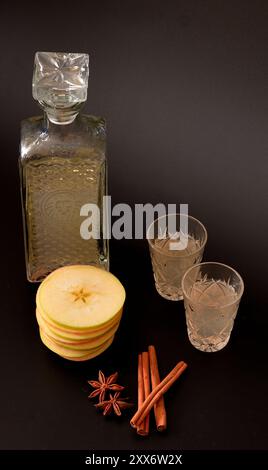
(103,385)
(115,404)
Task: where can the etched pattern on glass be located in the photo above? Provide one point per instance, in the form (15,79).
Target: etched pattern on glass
(210,313)
(56,190)
(169,266)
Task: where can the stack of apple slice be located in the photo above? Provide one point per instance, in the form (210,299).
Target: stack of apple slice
(78,309)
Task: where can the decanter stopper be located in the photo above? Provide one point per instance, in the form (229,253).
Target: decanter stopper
(60,83)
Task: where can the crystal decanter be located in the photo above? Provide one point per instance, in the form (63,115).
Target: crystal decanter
(63,170)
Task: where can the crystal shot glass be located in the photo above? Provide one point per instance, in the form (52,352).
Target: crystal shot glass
(176,242)
(212,293)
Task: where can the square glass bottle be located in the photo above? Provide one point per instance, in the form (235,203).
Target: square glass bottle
(62,168)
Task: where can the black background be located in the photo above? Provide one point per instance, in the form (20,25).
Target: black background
(183,85)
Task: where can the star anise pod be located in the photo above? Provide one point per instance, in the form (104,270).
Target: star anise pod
(103,385)
(115,404)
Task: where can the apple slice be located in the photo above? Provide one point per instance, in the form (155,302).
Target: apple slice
(84,344)
(90,356)
(71,354)
(81,297)
(73,335)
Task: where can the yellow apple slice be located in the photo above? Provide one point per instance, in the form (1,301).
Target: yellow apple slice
(74,335)
(81,297)
(89,356)
(84,344)
(93,330)
(73,354)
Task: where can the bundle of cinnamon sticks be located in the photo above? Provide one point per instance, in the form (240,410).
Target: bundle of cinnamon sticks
(151,391)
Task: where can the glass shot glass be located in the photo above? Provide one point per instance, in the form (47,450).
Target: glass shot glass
(176,242)
(212,292)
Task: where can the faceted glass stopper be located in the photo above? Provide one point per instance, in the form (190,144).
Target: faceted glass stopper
(60,79)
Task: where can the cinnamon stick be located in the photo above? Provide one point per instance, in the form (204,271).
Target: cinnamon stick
(141,428)
(156,393)
(159,407)
(146,384)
